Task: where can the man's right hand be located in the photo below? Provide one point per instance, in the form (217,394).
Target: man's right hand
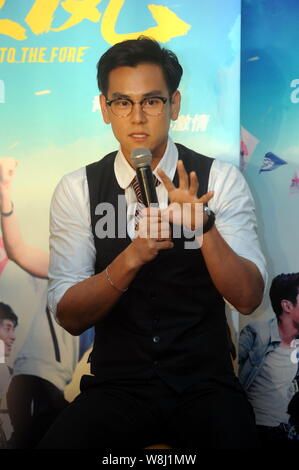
(152,236)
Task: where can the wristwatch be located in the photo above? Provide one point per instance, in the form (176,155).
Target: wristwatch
(211,219)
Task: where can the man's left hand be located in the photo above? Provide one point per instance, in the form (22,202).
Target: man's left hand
(185,207)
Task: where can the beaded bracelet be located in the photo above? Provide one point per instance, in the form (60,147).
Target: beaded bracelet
(111,283)
(6,214)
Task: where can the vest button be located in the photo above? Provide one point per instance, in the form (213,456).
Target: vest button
(156,339)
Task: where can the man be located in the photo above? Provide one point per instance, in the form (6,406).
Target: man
(8,324)
(268,362)
(161,363)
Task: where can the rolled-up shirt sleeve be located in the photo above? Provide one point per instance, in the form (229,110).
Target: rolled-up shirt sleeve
(72,250)
(235,213)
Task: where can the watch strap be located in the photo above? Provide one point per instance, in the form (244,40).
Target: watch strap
(211,220)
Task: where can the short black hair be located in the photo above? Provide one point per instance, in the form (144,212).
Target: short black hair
(7,313)
(284,286)
(133,52)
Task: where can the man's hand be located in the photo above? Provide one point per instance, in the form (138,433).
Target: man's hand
(185,208)
(152,236)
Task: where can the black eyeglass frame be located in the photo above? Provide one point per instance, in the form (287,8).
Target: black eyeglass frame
(162,98)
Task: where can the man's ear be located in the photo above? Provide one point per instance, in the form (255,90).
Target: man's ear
(286,305)
(104,109)
(175,105)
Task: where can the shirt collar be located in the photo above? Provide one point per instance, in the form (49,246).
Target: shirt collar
(274,332)
(125,173)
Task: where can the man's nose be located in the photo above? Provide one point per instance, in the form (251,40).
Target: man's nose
(12,336)
(137,113)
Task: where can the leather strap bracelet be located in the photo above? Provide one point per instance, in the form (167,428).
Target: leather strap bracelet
(111,283)
(7,214)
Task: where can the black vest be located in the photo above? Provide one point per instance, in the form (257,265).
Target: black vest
(171,321)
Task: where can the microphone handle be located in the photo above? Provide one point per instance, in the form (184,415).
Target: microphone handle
(147,185)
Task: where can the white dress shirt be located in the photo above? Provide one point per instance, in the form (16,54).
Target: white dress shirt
(72,250)
(273,388)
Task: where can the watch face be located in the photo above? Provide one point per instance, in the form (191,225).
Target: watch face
(211,219)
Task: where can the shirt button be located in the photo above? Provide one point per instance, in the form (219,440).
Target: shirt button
(156,339)
(153,295)
(156,363)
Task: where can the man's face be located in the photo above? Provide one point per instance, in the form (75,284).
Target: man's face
(292,311)
(139,129)
(295,313)
(7,335)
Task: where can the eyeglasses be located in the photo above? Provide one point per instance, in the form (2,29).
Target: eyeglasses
(153,106)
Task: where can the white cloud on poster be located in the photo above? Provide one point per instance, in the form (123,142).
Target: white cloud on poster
(42,92)
(291,154)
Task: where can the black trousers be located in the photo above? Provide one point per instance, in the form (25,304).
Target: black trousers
(33,405)
(144,413)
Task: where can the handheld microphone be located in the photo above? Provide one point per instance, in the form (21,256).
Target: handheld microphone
(141,159)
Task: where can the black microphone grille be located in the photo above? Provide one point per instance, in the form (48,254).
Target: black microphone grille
(140,157)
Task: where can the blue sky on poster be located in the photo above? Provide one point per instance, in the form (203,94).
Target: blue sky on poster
(270,76)
(209,52)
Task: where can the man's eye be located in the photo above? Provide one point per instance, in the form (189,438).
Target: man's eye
(122,103)
(151,102)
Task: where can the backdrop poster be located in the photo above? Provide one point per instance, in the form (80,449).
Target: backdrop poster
(50,119)
(269,158)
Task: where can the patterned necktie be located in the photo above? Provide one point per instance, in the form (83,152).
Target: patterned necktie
(140,204)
